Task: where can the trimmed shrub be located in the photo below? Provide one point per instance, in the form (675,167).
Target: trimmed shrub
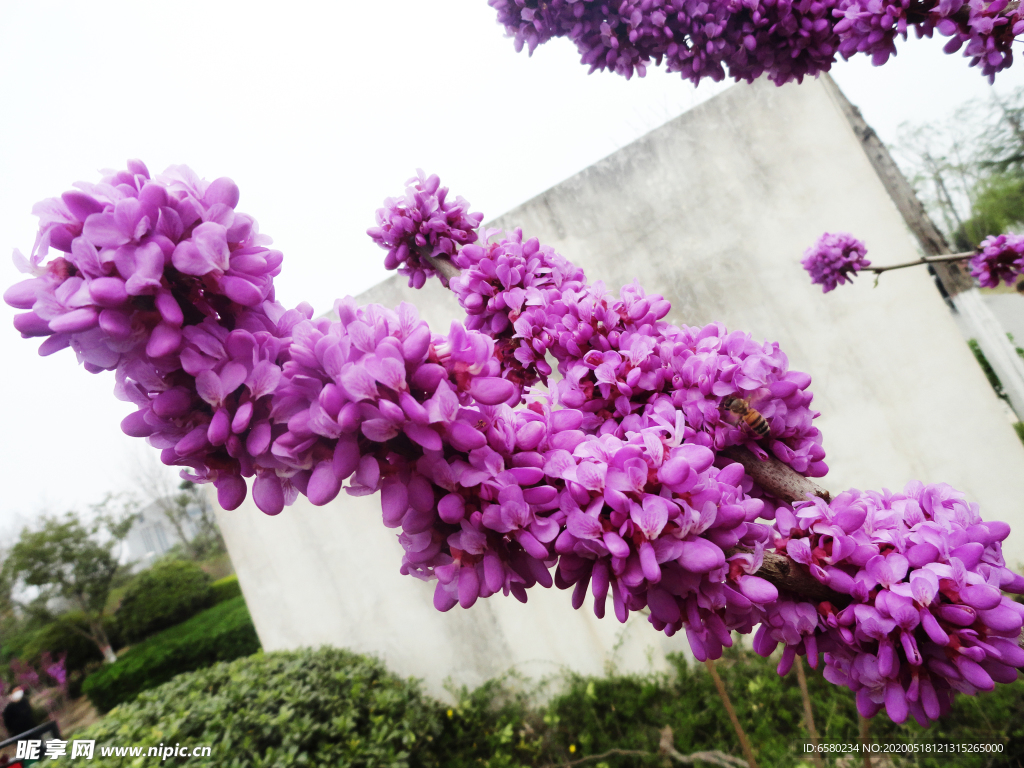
(221,633)
(308,708)
(330,707)
(224,589)
(162,596)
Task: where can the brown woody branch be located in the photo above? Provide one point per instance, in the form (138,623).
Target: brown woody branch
(442,266)
(780,480)
(789,576)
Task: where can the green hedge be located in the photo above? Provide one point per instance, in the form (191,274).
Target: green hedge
(221,633)
(224,589)
(330,707)
(309,708)
(161,597)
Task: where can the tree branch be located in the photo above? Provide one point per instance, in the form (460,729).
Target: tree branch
(780,480)
(442,266)
(805,696)
(748,751)
(922,260)
(788,576)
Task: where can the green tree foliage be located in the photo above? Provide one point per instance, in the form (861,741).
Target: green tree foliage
(969,171)
(220,633)
(998,206)
(69,563)
(162,596)
(67,636)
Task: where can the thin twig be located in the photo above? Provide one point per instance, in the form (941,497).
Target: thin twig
(667,747)
(442,266)
(922,260)
(748,752)
(609,753)
(801,680)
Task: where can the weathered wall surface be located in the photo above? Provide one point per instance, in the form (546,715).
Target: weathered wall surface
(713,211)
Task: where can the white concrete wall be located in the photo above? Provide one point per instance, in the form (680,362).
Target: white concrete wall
(1009,309)
(714,210)
(977,320)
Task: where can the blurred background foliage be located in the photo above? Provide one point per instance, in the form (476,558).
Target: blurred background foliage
(969,170)
(333,707)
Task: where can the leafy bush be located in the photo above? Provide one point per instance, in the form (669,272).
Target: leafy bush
(309,708)
(221,633)
(496,726)
(224,589)
(330,707)
(162,596)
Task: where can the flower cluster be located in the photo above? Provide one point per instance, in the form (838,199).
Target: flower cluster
(619,480)
(785,39)
(985,31)
(164,282)
(617,357)
(654,519)
(834,260)
(920,575)
(507,289)
(423,222)
(1000,258)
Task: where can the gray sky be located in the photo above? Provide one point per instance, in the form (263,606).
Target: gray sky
(318,112)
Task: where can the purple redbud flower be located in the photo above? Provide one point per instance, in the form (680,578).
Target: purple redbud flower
(424,222)
(1000,258)
(834,260)
(742,41)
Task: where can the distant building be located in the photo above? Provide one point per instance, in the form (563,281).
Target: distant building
(153,534)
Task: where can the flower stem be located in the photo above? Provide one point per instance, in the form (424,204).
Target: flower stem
(923,260)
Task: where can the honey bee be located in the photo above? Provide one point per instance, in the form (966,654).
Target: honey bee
(754,420)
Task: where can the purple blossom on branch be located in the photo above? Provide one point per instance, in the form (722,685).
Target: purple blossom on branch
(921,574)
(619,482)
(424,221)
(834,259)
(1000,258)
(786,41)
